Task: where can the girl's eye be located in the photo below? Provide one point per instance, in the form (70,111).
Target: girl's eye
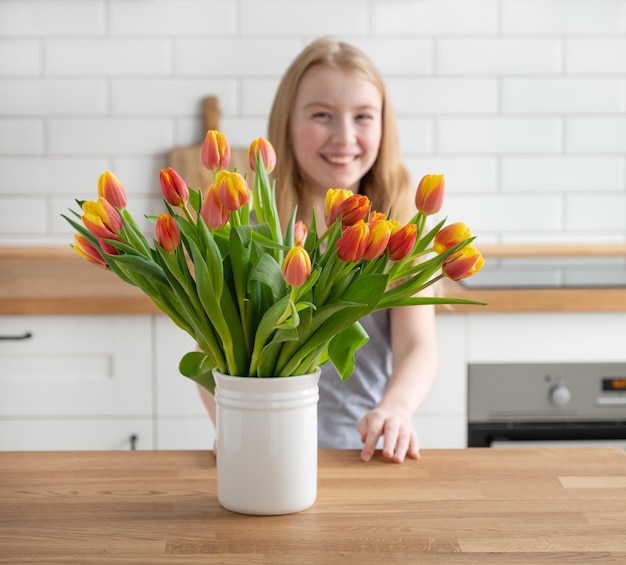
(364,117)
(322,115)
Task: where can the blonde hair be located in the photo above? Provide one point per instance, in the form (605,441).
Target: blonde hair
(387,184)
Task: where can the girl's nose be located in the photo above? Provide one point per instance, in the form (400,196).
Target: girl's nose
(343,132)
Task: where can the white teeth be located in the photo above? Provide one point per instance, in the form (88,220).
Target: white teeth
(340,160)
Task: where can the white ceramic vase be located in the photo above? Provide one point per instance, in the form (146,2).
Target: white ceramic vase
(266,443)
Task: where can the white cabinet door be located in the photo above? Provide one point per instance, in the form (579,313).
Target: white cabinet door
(74,374)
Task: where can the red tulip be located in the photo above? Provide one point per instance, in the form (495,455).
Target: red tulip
(402,242)
(111,189)
(174,188)
(232,190)
(429,194)
(268,155)
(215,150)
(300,232)
(353,209)
(464,263)
(380,232)
(167,232)
(450,236)
(213,213)
(296,266)
(102,219)
(352,244)
(334,197)
(85,249)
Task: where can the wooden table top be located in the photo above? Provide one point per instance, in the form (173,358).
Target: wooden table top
(157,507)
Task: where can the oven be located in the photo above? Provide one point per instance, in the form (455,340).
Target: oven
(547,404)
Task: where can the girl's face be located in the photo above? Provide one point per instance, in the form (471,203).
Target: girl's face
(336,128)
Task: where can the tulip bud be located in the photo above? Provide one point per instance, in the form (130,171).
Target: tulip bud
(352,244)
(268,155)
(296,266)
(380,232)
(334,197)
(102,219)
(86,250)
(353,209)
(429,194)
(111,189)
(167,232)
(174,188)
(215,150)
(300,232)
(402,242)
(465,263)
(450,236)
(232,190)
(213,213)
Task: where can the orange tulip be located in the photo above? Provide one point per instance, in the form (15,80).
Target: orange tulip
(213,213)
(334,197)
(300,232)
(450,236)
(174,188)
(296,266)
(215,150)
(353,209)
(232,190)
(268,155)
(352,244)
(402,242)
(429,194)
(85,249)
(102,219)
(466,262)
(167,232)
(380,232)
(111,189)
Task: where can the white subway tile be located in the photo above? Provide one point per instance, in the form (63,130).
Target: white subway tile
(563,95)
(140,175)
(169,96)
(109,136)
(506,213)
(227,56)
(563,173)
(12,222)
(498,55)
(463,175)
(51,97)
(595,134)
(19,57)
(561,16)
(320,17)
(50,175)
(397,55)
(416,134)
(434,17)
(498,135)
(598,55)
(89,57)
(44,17)
(257,96)
(21,137)
(182,17)
(241,131)
(441,96)
(595,212)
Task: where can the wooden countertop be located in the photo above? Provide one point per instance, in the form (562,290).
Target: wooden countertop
(42,281)
(475,506)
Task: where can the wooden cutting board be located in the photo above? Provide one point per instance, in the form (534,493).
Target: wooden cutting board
(187,161)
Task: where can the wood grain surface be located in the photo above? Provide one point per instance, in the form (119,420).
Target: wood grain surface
(471,506)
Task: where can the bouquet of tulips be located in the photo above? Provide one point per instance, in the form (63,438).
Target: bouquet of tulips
(261,301)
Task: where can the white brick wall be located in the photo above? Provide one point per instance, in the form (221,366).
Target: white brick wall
(521,103)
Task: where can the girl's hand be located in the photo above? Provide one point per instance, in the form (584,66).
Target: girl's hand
(400,436)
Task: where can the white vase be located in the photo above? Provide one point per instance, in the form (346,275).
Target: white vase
(266,443)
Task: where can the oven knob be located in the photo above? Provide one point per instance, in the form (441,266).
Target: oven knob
(560,395)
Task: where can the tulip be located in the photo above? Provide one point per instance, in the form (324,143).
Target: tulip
(111,189)
(167,232)
(334,197)
(213,213)
(215,150)
(450,236)
(300,232)
(353,209)
(85,249)
(402,242)
(232,190)
(174,188)
(102,219)
(268,155)
(352,244)
(380,232)
(429,195)
(296,266)
(464,263)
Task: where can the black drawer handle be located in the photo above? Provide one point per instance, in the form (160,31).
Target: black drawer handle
(25,335)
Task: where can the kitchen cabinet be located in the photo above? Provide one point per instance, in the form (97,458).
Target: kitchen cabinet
(78,382)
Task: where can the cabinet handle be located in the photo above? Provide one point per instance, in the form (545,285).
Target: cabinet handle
(133,441)
(25,335)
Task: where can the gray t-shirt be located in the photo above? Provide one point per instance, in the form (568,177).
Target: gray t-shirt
(343,404)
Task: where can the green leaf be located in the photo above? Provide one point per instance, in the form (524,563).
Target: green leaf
(198,366)
(142,266)
(268,272)
(343,346)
